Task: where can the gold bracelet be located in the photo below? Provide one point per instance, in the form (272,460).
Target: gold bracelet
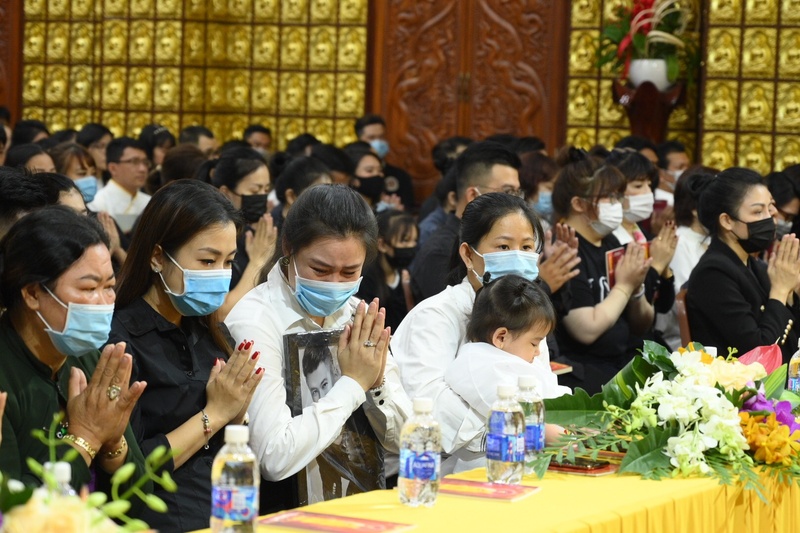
(80,442)
(116,453)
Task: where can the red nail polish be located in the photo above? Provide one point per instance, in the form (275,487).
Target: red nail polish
(255,355)
(259,370)
(248,345)
(216,361)
(241,345)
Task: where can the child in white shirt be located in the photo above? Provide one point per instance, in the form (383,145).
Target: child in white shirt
(510,318)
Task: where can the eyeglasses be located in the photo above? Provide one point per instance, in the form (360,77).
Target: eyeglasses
(136,161)
(519,193)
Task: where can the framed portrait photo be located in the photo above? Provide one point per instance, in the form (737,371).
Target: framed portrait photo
(353,462)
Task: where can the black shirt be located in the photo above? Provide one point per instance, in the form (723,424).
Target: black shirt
(394,300)
(598,362)
(176,363)
(728,305)
(432,264)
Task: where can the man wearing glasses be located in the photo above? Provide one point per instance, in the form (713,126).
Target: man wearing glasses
(122,197)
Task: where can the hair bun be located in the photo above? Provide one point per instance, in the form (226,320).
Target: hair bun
(520,289)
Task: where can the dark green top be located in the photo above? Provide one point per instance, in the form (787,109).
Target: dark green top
(33,399)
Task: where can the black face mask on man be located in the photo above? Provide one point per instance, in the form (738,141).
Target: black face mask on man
(402,257)
(760,235)
(371,187)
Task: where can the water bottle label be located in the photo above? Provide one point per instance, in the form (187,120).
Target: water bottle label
(423,466)
(505,448)
(794,384)
(239,504)
(534,437)
(497,422)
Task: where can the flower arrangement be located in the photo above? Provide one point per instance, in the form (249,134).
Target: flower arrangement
(28,510)
(687,413)
(651,29)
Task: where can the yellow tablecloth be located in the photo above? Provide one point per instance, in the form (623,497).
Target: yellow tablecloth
(569,503)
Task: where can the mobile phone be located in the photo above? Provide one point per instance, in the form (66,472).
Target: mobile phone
(581,463)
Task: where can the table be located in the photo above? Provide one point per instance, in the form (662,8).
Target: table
(570,503)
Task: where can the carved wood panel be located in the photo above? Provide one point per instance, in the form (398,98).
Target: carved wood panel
(440,68)
(10,54)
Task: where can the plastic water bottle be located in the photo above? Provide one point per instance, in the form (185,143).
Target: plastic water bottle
(533,410)
(505,438)
(794,371)
(62,474)
(420,456)
(234,479)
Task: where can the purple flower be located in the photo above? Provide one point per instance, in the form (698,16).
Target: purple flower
(783,413)
(758,402)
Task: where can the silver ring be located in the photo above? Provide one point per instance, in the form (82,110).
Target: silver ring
(113,392)
(369,344)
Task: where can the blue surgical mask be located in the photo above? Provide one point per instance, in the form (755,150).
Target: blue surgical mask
(204,291)
(498,264)
(88,187)
(380,146)
(544,204)
(85,330)
(323,298)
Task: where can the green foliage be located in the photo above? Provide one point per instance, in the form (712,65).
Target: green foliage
(775,383)
(578,409)
(646,456)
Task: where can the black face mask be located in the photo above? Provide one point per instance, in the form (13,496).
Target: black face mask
(402,257)
(760,235)
(371,187)
(254,207)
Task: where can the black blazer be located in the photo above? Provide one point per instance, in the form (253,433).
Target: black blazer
(729,306)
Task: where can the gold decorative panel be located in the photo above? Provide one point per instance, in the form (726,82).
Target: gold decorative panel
(293,65)
(752,95)
(592,116)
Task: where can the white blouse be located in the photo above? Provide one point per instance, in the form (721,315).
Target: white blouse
(284,444)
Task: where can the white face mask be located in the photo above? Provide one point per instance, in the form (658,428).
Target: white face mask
(640,207)
(609,217)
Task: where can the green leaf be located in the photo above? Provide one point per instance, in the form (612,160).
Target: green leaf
(540,464)
(790,397)
(116,509)
(621,390)
(646,455)
(123,474)
(775,383)
(155,503)
(10,499)
(673,67)
(578,409)
(639,41)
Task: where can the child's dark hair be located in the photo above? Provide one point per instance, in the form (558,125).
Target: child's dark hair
(510,302)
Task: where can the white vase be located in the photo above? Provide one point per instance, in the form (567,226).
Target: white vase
(652,70)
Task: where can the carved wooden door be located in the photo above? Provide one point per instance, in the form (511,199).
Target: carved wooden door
(465,67)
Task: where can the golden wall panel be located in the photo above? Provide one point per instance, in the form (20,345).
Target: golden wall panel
(755,111)
(610,114)
(723,12)
(787,114)
(721,104)
(758,59)
(790,12)
(586,13)
(761,12)
(755,151)
(582,137)
(719,149)
(582,102)
(292,64)
(353,49)
(789,61)
(723,52)
(787,151)
(610,137)
(583,52)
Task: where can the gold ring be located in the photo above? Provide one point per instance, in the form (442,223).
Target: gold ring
(369,344)
(113,392)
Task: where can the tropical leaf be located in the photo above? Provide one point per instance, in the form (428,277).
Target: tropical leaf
(790,397)
(775,383)
(621,390)
(673,67)
(578,409)
(647,455)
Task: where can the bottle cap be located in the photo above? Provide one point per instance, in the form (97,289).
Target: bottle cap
(711,350)
(506,391)
(423,405)
(62,471)
(527,382)
(236,434)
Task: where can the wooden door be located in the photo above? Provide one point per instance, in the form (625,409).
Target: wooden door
(440,68)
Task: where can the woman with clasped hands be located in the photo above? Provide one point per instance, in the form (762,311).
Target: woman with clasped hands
(57,286)
(171,287)
(327,237)
(734,299)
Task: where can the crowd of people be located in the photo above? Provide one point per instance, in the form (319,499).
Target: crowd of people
(156,289)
